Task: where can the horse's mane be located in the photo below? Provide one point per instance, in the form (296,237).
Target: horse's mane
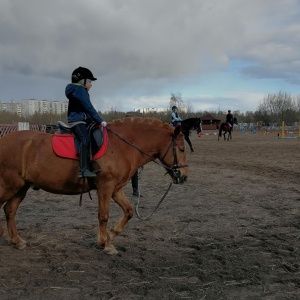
(139,120)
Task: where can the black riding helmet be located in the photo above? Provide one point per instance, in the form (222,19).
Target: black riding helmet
(82,73)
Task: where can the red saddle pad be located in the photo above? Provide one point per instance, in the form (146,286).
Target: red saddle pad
(63,146)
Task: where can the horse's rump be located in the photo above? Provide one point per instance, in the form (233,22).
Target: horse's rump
(223,127)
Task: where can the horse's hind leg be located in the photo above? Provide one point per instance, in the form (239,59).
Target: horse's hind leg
(10,209)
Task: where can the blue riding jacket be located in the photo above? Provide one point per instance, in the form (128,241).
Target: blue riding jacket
(175,118)
(80,107)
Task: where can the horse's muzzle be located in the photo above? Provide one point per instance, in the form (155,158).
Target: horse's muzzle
(179,179)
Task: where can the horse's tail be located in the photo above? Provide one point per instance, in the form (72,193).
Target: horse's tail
(221,129)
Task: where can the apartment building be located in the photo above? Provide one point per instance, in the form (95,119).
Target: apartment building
(29,107)
(11,106)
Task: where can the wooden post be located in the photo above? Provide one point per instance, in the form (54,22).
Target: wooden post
(282,130)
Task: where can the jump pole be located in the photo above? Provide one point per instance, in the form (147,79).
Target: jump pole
(283,135)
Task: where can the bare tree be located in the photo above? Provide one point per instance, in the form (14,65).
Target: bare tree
(176,99)
(297,105)
(277,107)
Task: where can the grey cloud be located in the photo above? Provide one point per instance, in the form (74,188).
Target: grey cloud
(139,47)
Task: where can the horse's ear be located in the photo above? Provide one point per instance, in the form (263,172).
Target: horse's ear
(177,130)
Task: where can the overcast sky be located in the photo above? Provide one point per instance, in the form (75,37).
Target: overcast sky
(219,54)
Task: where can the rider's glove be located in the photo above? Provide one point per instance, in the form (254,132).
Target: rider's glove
(103,123)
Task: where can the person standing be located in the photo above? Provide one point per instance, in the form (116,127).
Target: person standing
(135,177)
(229,119)
(81,113)
(176,120)
(135,184)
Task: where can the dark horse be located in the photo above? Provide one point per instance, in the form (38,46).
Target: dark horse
(224,127)
(27,159)
(187,125)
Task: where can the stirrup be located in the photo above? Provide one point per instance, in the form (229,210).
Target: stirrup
(86,173)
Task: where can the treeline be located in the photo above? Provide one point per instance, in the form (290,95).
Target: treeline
(271,111)
(36,119)
(279,107)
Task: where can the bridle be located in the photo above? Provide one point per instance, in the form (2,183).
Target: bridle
(174,169)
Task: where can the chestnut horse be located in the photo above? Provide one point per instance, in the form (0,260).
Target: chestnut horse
(27,159)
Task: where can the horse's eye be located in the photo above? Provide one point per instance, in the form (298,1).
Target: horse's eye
(181,149)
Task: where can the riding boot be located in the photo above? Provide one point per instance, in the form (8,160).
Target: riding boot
(84,170)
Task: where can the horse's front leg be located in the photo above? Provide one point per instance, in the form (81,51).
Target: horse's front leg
(187,138)
(120,198)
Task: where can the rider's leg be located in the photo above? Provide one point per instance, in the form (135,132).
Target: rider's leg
(81,132)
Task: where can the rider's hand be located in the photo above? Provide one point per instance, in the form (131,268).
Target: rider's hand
(103,123)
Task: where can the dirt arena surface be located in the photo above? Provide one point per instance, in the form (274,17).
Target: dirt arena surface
(231,232)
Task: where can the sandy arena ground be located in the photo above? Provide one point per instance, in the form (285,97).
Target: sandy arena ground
(231,232)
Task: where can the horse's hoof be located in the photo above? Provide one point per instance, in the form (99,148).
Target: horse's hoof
(110,250)
(21,244)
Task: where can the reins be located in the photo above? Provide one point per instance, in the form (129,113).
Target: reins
(174,169)
(156,207)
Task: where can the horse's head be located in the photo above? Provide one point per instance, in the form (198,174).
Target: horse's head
(174,157)
(235,121)
(198,125)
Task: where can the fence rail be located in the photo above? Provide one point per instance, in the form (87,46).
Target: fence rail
(8,128)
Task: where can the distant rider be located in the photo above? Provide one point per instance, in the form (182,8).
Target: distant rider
(229,119)
(176,120)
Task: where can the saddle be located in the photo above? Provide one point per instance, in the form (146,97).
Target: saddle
(66,144)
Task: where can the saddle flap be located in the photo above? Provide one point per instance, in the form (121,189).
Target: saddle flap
(65,145)
(97,138)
